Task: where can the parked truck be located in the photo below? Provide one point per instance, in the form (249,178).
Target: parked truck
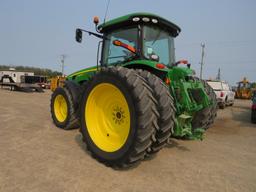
(224,93)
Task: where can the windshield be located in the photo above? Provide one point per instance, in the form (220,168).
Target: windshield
(116,54)
(158,45)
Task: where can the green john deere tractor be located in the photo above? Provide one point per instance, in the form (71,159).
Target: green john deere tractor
(137,97)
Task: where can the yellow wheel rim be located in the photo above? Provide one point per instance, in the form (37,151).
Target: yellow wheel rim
(60,108)
(107,117)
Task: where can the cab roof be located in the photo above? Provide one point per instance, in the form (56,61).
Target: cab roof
(135,18)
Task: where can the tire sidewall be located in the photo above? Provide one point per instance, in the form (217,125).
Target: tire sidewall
(126,90)
(206,115)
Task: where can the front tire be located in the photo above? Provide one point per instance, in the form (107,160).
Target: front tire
(222,105)
(63,110)
(118,117)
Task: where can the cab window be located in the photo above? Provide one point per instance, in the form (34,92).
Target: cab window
(116,54)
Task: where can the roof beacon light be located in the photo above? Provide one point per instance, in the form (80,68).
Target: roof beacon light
(96,20)
(136,19)
(145,19)
(154,21)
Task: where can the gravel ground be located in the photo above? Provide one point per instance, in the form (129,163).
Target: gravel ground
(37,156)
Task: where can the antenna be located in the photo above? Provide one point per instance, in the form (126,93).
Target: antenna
(106,11)
(218,75)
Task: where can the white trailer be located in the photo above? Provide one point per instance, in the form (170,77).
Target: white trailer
(15,75)
(16,81)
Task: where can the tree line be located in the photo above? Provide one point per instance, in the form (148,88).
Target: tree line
(36,70)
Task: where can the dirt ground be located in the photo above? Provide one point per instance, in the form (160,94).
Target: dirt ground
(37,156)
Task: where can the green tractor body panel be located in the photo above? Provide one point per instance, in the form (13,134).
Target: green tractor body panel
(85,74)
(145,64)
(190,97)
(82,75)
(188,92)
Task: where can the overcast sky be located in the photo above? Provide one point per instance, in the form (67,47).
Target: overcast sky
(36,33)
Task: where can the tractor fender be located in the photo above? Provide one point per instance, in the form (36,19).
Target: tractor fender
(74,89)
(159,73)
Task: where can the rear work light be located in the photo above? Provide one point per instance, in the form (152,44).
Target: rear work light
(136,19)
(160,66)
(167,81)
(154,21)
(145,19)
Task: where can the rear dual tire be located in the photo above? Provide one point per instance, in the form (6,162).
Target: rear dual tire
(118,117)
(165,107)
(205,118)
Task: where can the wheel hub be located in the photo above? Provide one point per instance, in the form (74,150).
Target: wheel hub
(118,115)
(107,117)
(60,108)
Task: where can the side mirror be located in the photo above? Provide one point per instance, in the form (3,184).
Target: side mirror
(79,35)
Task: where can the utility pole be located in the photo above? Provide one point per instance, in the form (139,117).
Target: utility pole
(202,61)
(218,75)
(63,57)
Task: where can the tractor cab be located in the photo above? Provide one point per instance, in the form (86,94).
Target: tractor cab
(137,37)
